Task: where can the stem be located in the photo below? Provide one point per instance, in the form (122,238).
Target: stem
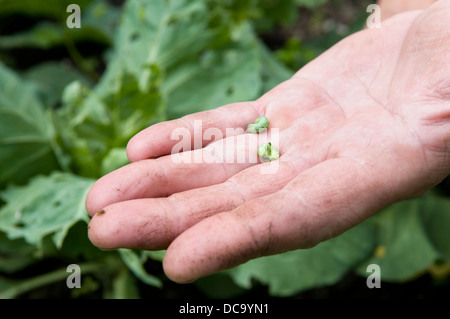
(79,60)
(64,166)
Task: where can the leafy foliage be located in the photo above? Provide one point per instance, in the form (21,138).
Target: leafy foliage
(26,132)
(24,214)
(65,122)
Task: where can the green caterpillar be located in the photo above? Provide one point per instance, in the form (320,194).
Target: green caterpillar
(261,124)
(268,153)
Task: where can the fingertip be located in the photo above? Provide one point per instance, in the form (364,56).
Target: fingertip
(99,233)
(137,149)
(99,196)
(153,142)
(90,203)
(174,270)
(139,224)
(179,264)
(108,231)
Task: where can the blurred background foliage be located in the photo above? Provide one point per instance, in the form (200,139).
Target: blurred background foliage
(70,99)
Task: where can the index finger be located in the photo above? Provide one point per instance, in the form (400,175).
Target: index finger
(157,141)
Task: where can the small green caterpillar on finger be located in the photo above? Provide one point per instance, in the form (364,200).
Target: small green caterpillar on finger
(261,124)
(268,153)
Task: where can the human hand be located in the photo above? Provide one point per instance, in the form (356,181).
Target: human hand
(364,125)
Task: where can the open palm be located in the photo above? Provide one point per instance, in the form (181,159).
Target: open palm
(364,125)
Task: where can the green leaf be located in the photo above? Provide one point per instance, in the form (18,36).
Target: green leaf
(98,20)
(197,54)
(44,36)
(299,270)
(436,223)
(154,35)
(217,78)
(92,122)
(273,71)
(311,4)
(219,286)
(124,286)
(116,158)
(52,78)
(98,23)
(135,263)
(403,246)
(241,69)
(48,205)
(77,246)
(26,131)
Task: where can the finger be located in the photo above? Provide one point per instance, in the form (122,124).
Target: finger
(303,144)
(153,223)
(159,139)
(282,105)
(167,175)
(321,203)
(160,220)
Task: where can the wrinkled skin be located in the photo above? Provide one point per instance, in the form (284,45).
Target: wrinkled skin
(364,125)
